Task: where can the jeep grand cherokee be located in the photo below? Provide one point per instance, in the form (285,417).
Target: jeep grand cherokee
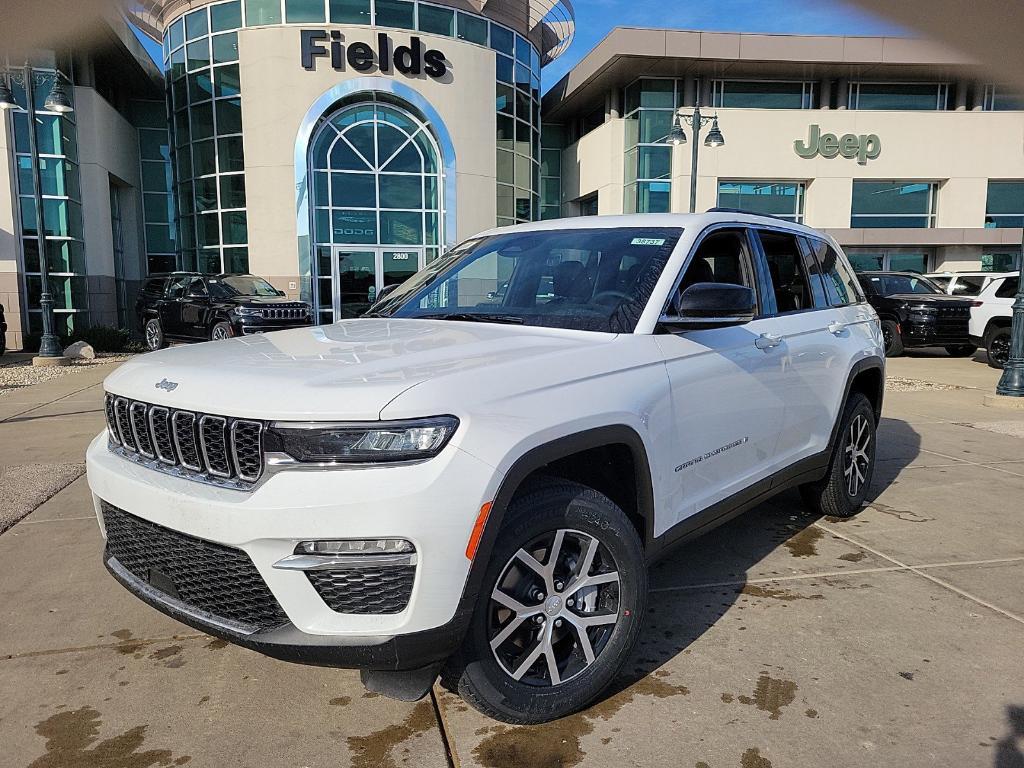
(470,481)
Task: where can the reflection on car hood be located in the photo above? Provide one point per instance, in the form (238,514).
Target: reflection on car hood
(346,371)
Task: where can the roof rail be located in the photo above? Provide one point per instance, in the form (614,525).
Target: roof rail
(719,209)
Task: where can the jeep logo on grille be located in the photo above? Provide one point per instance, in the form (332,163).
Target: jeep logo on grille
(167,386)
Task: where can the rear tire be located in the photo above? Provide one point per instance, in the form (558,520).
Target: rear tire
(540,667)
(892,338)
(841,493)
(154,335)
(997,344)
(961,350)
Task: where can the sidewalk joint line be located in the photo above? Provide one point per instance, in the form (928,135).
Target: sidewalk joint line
(923,574)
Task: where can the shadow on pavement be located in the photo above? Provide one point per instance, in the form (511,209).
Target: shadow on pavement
(694,586)
(1008,749)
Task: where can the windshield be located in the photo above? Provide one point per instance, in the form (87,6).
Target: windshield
(887,285)
(240,285)
(584,279)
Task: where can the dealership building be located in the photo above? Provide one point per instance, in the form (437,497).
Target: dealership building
(336,146)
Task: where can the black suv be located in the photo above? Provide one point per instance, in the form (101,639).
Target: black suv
(916,313)
(192,307)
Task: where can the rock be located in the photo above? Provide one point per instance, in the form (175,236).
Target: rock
(80,351)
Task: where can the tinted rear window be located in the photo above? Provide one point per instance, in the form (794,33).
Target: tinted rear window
(1009,288)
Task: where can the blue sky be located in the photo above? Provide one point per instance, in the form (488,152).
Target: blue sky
(595,18)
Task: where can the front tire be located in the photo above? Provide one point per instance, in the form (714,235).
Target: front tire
(560,608)
(961,350)
(841,493)
(220,331)
(154,335)
(891,337)
(997,343)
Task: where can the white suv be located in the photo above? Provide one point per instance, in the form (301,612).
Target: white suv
(991,315)
(469,481)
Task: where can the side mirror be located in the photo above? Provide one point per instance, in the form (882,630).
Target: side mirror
(711,305)
(281,293)
(383,292)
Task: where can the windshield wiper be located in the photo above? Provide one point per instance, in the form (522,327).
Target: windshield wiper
(473,317)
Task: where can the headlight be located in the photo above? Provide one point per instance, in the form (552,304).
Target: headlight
(366,442)
(247,311)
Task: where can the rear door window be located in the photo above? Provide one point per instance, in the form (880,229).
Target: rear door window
(790,280)
(841,285)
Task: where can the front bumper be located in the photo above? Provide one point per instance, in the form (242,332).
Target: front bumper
(246,326)
(933,334)
(433,504)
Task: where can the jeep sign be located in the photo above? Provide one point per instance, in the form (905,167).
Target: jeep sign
(864,147)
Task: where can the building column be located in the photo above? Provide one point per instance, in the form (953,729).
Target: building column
(960,101)
(612,108)
(705,91)
(842,93)
(825,94)
(689,91)
(977,103)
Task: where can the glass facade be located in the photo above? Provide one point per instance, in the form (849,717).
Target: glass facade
(150,120)
(204,99)
(898,96)
(783,199)
(998,98)
(763,94)
(893,204)
(552,141)
(650,107)
(889,260)
(1005,204)
(56,138)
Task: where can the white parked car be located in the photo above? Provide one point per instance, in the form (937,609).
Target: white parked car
(962,283)
(991,315)
(470,482)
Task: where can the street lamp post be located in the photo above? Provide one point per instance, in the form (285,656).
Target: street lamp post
(50,351)
(677,136)
(1011,383)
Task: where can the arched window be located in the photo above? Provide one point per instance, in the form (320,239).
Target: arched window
(376,179)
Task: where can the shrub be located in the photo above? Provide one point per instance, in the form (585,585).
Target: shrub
(101,338)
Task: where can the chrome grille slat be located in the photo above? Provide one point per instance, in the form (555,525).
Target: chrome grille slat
(160,429)
(213,442)
(140,429)
(124,427)
(184,431)
(108,407)
(247,449)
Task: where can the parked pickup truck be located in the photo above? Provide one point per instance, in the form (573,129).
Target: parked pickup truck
(469,482)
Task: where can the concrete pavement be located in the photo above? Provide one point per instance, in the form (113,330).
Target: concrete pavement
(894,639)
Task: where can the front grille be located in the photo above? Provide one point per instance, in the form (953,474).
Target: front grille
(365,590)
(286,313)
(217,580)
(214,448)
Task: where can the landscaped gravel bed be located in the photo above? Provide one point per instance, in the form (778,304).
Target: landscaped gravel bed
(14,375)
(900,384)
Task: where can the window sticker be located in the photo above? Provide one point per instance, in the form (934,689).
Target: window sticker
(648,241)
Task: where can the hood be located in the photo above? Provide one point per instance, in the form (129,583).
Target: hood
(346,371)
(267,301)
(930,298)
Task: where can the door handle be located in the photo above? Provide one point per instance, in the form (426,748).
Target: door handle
(767,340)
(835,327)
